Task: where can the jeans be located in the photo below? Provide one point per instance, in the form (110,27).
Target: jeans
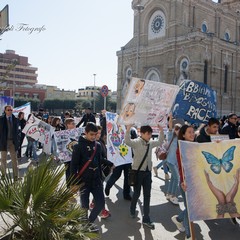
(98,196)
(144,180)
(183,216)
(32,149)
(164,164)
(174,181)
(117,171)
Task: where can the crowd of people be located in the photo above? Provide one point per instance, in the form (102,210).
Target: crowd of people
(90,153)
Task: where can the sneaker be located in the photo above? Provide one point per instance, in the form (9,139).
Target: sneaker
(93,228)
(149,224)
(233,221)
(174,200)
(168,196)
(155,171)
(91,206)
(167,176)
(107,191)
(178,224)
(105,214)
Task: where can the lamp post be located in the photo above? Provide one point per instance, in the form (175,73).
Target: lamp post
(94,107)
(139,9)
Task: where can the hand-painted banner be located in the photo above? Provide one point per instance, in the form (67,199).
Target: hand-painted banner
(212,175)
(117,151)
(147,103)
(5,101)
(195,102)
(40,131)
(65,140)
(26,108)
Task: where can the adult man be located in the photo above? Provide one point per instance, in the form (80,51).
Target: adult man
(9,140)
(230,127)
(87,117)
(205,132)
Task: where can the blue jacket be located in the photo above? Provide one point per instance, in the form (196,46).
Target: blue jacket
(172,157)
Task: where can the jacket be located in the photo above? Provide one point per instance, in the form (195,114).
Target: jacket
(92,176)
(4,132)
(203,136)
(140,147)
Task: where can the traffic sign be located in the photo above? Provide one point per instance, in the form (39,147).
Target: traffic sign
(104,90)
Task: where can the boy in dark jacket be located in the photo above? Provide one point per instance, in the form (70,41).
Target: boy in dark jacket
(91,179)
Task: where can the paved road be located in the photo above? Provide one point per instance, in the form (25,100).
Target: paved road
(121,227)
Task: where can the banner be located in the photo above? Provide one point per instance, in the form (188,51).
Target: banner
(117,151)
(147,103)
(212,174)
(65,140)
(26,108)
(4,101)
(195,102)
(40,131)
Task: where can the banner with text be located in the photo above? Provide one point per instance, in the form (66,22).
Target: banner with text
(195,102)
(147,103)
(212,175)
(117,151)
(65,140)
(26,108)
(40,131)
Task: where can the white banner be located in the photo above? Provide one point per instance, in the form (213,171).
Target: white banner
(40,131)
(117,151)
(65,140)
(26,108)
(147,103)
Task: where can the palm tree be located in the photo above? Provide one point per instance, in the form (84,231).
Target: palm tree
(40,206)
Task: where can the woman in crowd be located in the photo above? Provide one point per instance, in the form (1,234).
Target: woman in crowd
(186,133)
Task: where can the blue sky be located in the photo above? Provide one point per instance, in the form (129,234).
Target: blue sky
(80,38)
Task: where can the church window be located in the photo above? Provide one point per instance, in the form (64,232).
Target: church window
(204,27)
(157,25)
(227,36)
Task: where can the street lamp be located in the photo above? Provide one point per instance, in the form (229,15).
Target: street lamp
(94,76)
(139,8)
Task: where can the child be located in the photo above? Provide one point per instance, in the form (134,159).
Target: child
(69,124)
(91,178)
(105,213)
(140,146)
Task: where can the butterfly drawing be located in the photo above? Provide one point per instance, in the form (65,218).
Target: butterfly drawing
(218,164)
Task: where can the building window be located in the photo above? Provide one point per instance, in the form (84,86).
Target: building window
(227,36)
(225,78)
(128,73)
(205,74)
(153,75)
(204,27)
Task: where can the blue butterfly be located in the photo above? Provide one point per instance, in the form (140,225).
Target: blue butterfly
(225,162)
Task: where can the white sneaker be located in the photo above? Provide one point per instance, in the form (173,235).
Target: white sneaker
(168,196)
(178,224)
(174,200)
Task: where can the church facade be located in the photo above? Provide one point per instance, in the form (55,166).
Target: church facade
(185,39)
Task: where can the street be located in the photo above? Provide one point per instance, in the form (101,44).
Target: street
(120,226)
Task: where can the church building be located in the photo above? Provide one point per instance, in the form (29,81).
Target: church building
(185,39)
